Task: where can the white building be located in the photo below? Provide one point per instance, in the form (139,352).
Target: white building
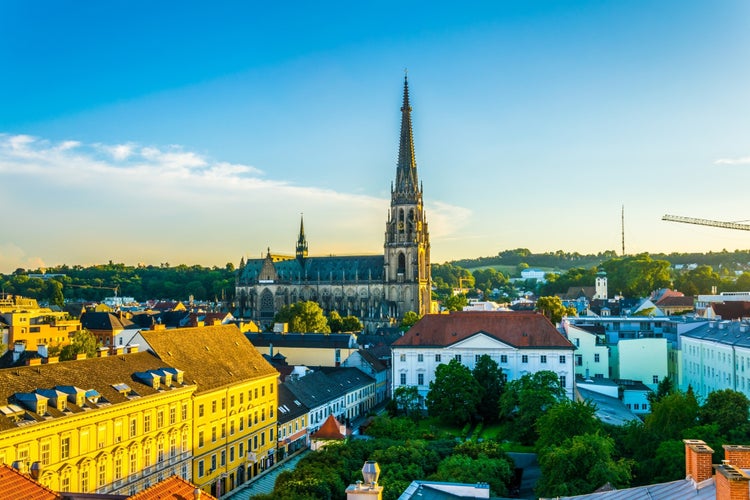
(592,353)
(519,342)
(716,356)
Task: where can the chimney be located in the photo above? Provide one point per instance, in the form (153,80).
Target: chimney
(737,455)
(698,457)
(33,361)
(41,349)
(18,349)
(80,355)
(731,482)
(117,350)
(158,326)
(102,352)
(132,348)
(197,494)
(53,359)
(369,489)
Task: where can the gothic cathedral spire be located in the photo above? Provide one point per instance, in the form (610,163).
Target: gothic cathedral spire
(301,251)
(406,188)
(407,240)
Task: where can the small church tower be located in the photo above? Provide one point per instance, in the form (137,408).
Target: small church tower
(301,251)
(407,240)
(600,286)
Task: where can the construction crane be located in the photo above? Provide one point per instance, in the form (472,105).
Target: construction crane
(706,222)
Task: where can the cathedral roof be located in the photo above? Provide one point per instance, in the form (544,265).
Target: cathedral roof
(348,268)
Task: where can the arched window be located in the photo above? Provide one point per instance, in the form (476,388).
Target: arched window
(401,263)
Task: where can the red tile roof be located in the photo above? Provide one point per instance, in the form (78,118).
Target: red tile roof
(17,486)
(329,430)
(172,488)
(523,330)
(675,301)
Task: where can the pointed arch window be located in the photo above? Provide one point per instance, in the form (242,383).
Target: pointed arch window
(401,263)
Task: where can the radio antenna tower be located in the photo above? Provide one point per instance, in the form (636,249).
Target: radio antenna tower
(622,217)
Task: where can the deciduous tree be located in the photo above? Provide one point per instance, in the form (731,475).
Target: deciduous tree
(454,393)
(83,342)
(489,376)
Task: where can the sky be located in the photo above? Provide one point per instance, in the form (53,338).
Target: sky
(199,132)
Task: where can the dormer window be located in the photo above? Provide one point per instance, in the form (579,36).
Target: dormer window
(123,389)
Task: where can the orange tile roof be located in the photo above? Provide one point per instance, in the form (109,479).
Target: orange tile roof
(329,430)
(523,330)
(17,486)
(172,488)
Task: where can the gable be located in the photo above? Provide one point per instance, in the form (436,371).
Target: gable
(480,340)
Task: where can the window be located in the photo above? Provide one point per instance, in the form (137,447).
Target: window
(579,360)
(524,358)
(458,357)
(270,388)
(173,445)
(420,358)
(636,406)
(184,441)
(172,415)
(242,424)
(263,391)
(118,466)
(476,358)
(213,406)
(65,482)
(147,454)
(242,397)
(44,453)
(200,410)
(503,358)
(201,471)
(200,439)
(65,448)
(270,434)
(223,404)
(263,415)
(255,395)
(656,379)
(262,439)
(231,427)
(160,419)
(223,430)
(543,359)
(403,379)
(231,454)
(420,379)
(240,449)
(231,401)
(102,478)
(133,461)
(578,342)
(213,462)
(562,360)
(84,479)
(596,358)
(270,412)
(256,418)
(437,358)
(563,381)
(160,450)
(402,358)
(184,411)
(133,427)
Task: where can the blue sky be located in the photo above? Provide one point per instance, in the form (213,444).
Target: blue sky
(197,132)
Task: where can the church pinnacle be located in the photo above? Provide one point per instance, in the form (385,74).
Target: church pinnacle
(406,188)
(301,251)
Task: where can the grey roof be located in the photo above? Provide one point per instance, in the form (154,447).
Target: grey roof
(608,409)
(104,321)
(316,340)
(323,269)
(682,489)
(294,407)
(319,387)
(732,333)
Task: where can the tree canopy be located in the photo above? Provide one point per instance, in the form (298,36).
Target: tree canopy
(303,317)
(489,376)
(82,342)
(454,393)
(526,399)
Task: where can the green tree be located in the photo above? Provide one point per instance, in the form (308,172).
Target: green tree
(303,317)
(553,309)
(455,302)
(335,322)
(398,428)
(496,472)
(638,275)
(406,400)
(525,400)
(82,342)
(454,393)
(565,420)
(489,376)
(580,465)
(699,280)
(665,388)
(409,319)
(726,408)
(672,415)
(351,324)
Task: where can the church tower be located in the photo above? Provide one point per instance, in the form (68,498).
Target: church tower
(407,240)
(301,250)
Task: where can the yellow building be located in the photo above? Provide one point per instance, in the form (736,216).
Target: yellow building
(33,325)
(115,424)
(235,404)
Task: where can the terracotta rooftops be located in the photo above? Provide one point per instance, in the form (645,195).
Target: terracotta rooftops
(523,330)
(329,430)
(172,488)
(17,486)
(214,356)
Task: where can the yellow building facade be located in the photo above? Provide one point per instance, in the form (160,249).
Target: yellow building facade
(234,406)
(114,424)
(33,325)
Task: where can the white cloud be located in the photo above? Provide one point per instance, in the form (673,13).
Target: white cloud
(173,204)
(744,160)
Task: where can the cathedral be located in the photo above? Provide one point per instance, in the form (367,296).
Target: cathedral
(378,289)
